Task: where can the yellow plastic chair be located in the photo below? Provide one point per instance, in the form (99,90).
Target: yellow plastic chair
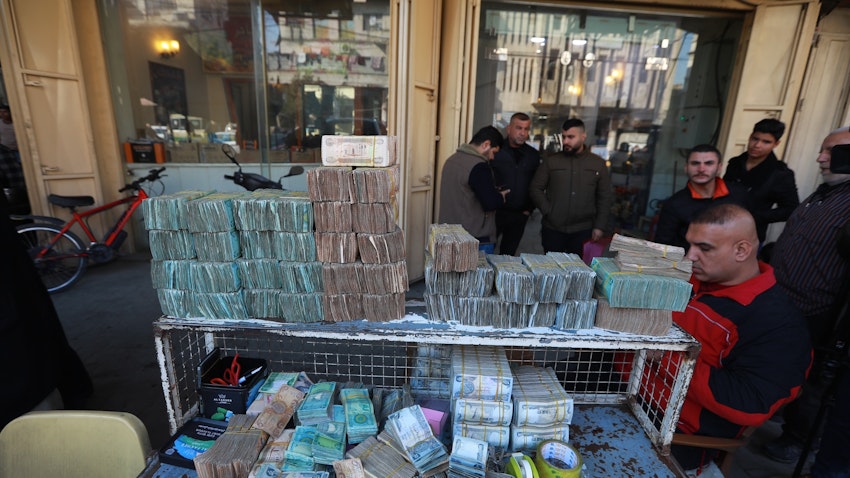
(71,444)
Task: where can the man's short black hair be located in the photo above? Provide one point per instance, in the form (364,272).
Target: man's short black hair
(720,214)
(771,126)
(488,133)
(520,117)
(706,148)
(572,123)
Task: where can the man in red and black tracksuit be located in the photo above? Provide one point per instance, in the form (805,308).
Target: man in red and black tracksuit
(755,345)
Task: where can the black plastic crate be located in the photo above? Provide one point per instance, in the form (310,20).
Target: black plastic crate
(229,398)
(192,439)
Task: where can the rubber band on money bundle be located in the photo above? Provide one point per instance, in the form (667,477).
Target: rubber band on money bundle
(557,459)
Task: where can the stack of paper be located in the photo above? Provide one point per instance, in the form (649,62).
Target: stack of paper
(452,248)
(360,420)
(542,408)
(333,216)
(481,372)
(642,291)
(299,455)
(474,283)
(381,248)
(468,458)
(233,454)
(409,427)
(582,277)
(317,405)
(380,460)
(634,321)
(329,184)
(645,257)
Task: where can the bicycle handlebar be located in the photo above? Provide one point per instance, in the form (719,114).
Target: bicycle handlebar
(153,175)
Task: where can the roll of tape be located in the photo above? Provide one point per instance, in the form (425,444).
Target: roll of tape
(557,459)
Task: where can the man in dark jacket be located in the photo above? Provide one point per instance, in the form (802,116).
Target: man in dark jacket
(572,189)
(515,166)
(768,180)
(704,189)
(755,345)
(468,193)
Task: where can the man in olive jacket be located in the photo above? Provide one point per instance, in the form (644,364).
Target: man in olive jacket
(573,191)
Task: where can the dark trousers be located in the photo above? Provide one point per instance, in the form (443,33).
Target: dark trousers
(832,460)
(556,241)
(510,225)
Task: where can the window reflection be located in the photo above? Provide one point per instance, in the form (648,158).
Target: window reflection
(648,87)
(324,69)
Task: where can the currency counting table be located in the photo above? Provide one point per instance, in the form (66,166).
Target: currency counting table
(627,401)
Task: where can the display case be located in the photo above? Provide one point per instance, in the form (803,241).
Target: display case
(628,389)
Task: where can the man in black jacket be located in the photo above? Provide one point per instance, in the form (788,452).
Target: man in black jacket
(515,166)
(704,189)
(768,180)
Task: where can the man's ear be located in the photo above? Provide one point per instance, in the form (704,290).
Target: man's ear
(743,250)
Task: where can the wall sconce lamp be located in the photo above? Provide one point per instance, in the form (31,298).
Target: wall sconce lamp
(168,48)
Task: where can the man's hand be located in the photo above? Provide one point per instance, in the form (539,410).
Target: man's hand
(504,193)
(596,235)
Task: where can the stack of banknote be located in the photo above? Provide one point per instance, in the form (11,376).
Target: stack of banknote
(168,212)
(380,460)
(634,321)
(477,282)
(481,372)
(342,307)
(215,276)
(272,456)
(329,444)
(452,248)
(410,429)
(542,408)
(233,454)
(514,280)
(317,406)
(171,274)
(171,245)
(276,415)
(576,314)
(641,291)
(360,421)
(432,370)
(330,184)
(260,273)
(485,420)
(582,277)
(212,213)
(373,218)
(646,257)
(333,216)
(550,279)
(375,185)
(336,247)
(218,305)
(273,210)
(299,454)
(349,468)
(468,458)
(217,246)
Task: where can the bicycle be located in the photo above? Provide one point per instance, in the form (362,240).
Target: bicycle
(60,256)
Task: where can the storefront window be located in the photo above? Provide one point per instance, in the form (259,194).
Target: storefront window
(268,77)
(648,87)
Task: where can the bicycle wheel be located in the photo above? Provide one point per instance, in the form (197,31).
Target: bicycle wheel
(63,264)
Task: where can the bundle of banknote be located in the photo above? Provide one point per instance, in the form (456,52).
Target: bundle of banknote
(168,212)
(483,412)
(176,302)
(219,305)
(276,380)
(481,372)
(217,246)
(260,273)
(329,184)
(273,210)
(639,291)
(654,265)
(171,274)
(329,444)
(542,314)
(271,470)
(583,278)
(550,279)
(383,307)
(171,245)
(336,247)
(349,468)
(380,460)
(285,246)
(575,314)
(634,321)
(514,280)
(468,458)
(375,185)
(301,276)
(431,372)
(381,248)
(452,248)
(258,244)
(263,303)
(640,247)
(343,278)
(474,283)
(360,421)
(342,307)
(497,436)
(215,276)
(233,454)
(301,308)
(373,218)
(383,278)
(212,213)
(299,454)
(333,216)
(276,415)
(539,399)
(527,437)
(317,406)
(410,428)
(274,453)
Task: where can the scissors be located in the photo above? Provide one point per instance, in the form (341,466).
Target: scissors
(230,377)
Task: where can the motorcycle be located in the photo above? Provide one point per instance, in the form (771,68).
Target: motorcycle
(254,181)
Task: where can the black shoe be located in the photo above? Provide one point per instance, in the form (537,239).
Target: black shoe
(783,450)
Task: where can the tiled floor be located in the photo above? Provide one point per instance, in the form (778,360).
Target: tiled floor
(107,317)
